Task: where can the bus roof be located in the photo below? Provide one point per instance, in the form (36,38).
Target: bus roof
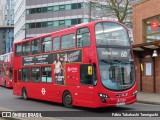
(73,27)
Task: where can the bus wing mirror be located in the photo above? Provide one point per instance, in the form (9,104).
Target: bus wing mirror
(90,70)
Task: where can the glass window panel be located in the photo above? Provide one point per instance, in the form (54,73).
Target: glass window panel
(38,10)
(36,46)
(83,37)
(25,74)
(74,22)
(27,11)
(56,23)
(27,25)
(61,22)
(61,7)
(56,8)
(68,22)
(38,25)
(35,75)
(50,23)
(44,9)
(32,25)
(46,74)
(18,50)
(44,24)
(49,9)
(68,41)
(46,44)
(33,10)
(74,6)
(26,48)
(56,43)
(68,7)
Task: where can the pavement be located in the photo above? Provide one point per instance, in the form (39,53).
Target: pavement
(148,98)
(142,97)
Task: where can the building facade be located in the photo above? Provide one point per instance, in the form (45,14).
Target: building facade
(146,32)
(37,17)
(6,25)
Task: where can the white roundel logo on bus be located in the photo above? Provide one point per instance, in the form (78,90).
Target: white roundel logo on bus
(43,91)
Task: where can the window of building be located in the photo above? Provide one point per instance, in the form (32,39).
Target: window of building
(50,23)
(32,25)
(38,25)
(44,9)
(46,44)
(56,23)
(36,46)
(46,74)
(50,9)
(62,7)
(83,37)
(25,74)
(68,22)
(18,50)
(27,25)
(152,26)
(35,76)
(33,10)
(56,8)
(38,10)
(44,24)
(26,48)
(68,41)
(27,11)
(56,43)
(74,6)
(61,22)
(68,7)
(74,21)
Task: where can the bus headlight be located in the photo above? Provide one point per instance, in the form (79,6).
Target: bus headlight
(134,93)
(103,97)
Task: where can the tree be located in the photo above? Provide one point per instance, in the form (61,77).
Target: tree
(121,9)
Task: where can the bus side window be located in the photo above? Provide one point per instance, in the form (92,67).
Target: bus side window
(68,41)
(46,74)
(56,43)
(47,44)
(85,78)
(18,50)
(36,46)
(26,48)
(25,74)
(83,37)
(35,75)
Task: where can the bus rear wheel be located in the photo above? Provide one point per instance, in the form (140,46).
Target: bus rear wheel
(67,99)
(24,94)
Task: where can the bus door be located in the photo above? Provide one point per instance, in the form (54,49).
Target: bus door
(85,88)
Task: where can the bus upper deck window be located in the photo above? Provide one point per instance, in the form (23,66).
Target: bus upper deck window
(18,50)
(56,43)
(36,46)
(26,48)
(68,41)
(83,37)
(47,44)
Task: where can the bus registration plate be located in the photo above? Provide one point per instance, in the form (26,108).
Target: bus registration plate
(121,101)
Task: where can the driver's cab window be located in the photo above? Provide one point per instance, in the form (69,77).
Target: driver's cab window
(86,75)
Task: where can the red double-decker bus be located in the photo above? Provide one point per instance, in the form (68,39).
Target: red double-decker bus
(6,61)
(87,65)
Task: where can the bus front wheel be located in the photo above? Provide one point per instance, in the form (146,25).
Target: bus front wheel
(24,94)
(67,99)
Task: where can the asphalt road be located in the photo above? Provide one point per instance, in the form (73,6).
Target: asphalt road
(11,102)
